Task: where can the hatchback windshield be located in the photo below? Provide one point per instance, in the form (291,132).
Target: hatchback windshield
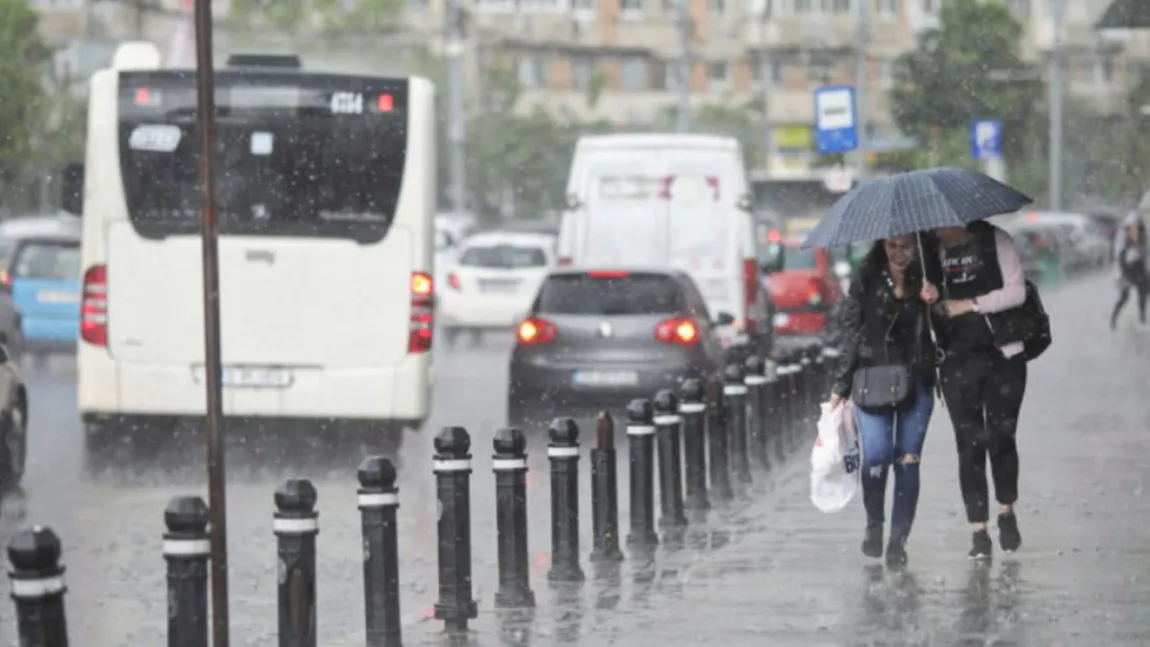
(53,261)
(631,294)
(780,257)
(503,257)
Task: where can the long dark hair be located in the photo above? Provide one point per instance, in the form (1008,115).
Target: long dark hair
(876,262)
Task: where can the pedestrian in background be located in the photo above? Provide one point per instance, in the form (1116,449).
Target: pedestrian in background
(1130,266)
(886,369)
(982,325)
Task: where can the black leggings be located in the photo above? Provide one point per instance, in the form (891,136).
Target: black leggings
(1142,286)
(984,393)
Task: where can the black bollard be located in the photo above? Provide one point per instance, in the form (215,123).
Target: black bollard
(563,452)
(735,394)
(296,523)
(187,550)
(717,441)
(510,465)
(773,424)
(693,411)
(604,493)
(37,580)
(640,438)
(452,466)
(378,500)
(667,423)
(755,377)
(786,392)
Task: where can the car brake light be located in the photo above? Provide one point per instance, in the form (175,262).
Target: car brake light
(814,293)
(750,290)
(607,274)
(94,306)
(677,331)
(775,236)
(453,281)
(422,313)
(535,330)
(5,279)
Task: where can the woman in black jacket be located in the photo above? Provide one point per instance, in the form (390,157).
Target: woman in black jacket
(887,370)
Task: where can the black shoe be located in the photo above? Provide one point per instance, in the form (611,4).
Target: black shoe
(1009,536)
(896,553)
(980,545)
(872,540)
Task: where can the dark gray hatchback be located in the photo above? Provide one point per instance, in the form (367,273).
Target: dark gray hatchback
(603,336)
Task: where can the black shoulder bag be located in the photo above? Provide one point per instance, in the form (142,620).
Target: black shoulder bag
(887,386)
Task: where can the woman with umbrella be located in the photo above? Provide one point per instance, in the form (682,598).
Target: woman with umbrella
(982,374)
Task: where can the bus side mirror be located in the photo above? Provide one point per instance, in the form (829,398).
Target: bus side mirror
(72,189)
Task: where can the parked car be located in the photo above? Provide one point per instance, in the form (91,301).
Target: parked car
(492,283)
(803,287)
(1087,245)
(43,279)
(605,335)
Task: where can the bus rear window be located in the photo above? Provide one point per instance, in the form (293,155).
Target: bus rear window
(630,294)
(295,154)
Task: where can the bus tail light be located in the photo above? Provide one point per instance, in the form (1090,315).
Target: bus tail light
(454,282)
(422,313)
(536,330)
(677,331)
(94,306)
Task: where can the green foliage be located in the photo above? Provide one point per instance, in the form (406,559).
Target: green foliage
(22,103)
(970,67)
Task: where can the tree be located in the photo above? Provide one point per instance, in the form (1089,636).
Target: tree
(737,121)
(23,100)
(1121,157)
(968,68)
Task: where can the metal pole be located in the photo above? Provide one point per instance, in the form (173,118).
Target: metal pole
(767,82)
(209,234)
(457,129)
(862,76)
(684,20)
(1056,11)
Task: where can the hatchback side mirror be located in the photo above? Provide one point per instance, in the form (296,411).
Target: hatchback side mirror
(724,319)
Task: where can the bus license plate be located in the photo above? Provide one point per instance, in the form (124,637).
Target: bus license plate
(606,378)
(251,377)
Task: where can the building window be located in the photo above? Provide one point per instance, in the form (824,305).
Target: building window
(582,69)
(888,9)
(495,6)
(1020,9)
(717,6)
(717,74)
(584,6)
(841,6)
(803,7)
(822,69)
(671,75)
(633,73)
(532,71)
(632,7)
(930,7)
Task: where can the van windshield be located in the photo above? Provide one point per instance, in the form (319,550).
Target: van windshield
(295,154)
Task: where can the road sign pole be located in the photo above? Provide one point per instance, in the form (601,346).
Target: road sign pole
(209,234)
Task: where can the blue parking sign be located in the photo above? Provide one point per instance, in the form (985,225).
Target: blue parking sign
(985,139)
(836,127)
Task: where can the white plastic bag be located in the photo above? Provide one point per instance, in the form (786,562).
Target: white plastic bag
(835,459)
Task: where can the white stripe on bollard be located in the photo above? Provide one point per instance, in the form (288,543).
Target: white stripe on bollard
(500,464)
(755,380)
(187,547)
(692,407)
(734,389)
(295,526)
(456,465)
(640,430)
(377,499)
(32,589)
(668,419)
(562,452)
(832,352)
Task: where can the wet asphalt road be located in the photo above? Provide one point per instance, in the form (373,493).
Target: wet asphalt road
(774,571)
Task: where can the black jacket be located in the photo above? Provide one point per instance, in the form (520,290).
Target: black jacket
(879,329)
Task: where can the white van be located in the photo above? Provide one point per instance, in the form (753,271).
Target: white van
(677,201)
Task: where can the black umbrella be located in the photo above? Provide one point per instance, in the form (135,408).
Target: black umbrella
(911,202)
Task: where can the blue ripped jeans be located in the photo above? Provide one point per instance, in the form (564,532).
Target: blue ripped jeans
(888,439)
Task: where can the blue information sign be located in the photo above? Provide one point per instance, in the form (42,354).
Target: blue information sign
(985,139)
(836,128)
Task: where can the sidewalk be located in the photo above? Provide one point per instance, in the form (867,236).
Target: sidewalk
(796,577)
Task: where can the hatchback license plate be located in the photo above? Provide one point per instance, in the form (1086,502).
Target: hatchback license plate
(54,296)
(606,378)
(499,286)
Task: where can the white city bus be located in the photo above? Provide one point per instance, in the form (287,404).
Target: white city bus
(326,204)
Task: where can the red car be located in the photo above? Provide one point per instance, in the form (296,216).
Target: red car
(802,287)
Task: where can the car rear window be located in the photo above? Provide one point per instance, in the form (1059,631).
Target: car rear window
(630,294)
(503,257)
(55,261)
